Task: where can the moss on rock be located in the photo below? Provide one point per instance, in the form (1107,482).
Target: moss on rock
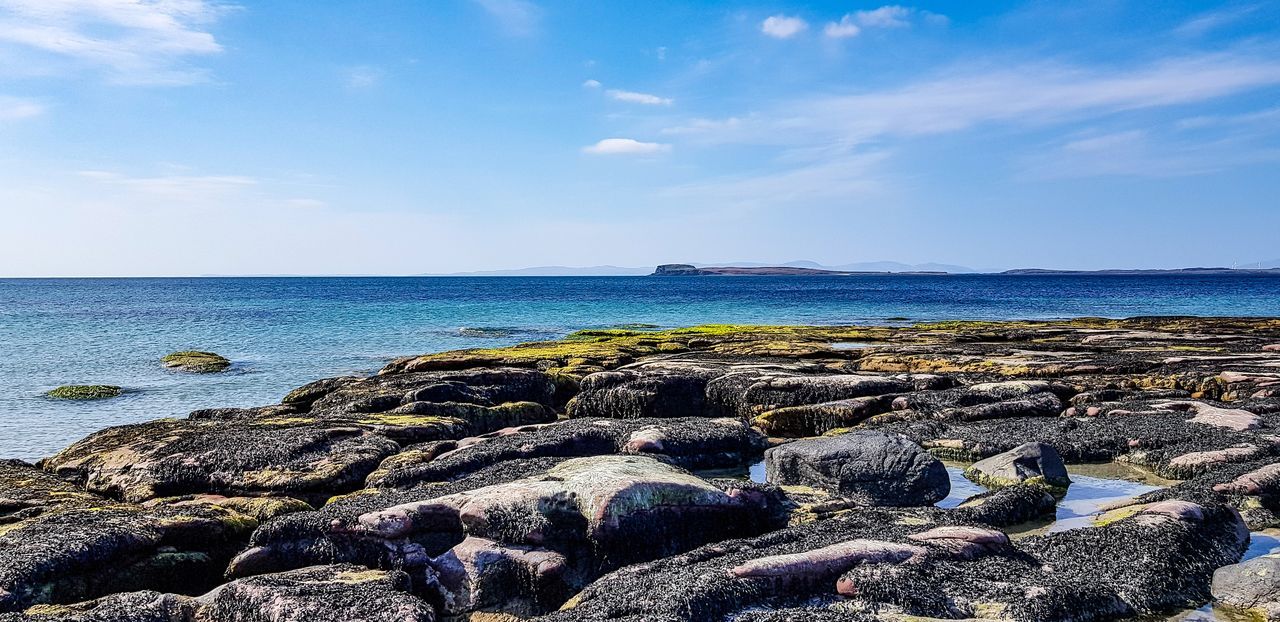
(85,392)
(196,361)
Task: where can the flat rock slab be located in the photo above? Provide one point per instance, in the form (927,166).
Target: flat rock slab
(871,467)
(175,457)
(1252,587)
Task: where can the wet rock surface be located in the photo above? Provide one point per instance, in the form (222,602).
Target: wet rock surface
(603,477)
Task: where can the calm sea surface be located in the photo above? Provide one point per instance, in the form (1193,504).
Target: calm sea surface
(284,332)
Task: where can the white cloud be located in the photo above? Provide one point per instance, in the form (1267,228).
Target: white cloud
(13,108)
(132,41)
(889,16)
(591,84)
(625,146)
(518,17)
(783,27)
(1105,142)
(639,98)
(661,53)
(847,177)
(842,29)
(1269,116)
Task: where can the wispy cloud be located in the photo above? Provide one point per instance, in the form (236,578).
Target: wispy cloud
(1206,22)
(639,98)
(1142,153)
(362,77)
(1268,116)
(182,188)
(963,97)
(14,108)
(625,146)
(782,26)
(131,41)
(888,16)
(591,84)
(517,17)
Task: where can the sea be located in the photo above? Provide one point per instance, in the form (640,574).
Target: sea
(284,332)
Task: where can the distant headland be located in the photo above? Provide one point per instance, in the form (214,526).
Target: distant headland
(680,269)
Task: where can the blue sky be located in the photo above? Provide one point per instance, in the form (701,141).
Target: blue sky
(175,137)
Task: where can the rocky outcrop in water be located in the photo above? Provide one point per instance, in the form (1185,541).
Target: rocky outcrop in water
(604,477)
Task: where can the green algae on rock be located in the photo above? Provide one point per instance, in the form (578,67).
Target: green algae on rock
(196,361)
(85,392)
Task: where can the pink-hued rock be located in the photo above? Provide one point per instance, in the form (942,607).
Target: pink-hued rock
(786,572)
(1274,347)
(1199,459)
(1173,508)
(478,574)
(1207,414)
(964,542)
(1263,481)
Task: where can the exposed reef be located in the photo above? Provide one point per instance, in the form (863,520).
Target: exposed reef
(604,476)
(85,392)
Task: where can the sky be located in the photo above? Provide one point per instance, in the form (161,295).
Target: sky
(192,137)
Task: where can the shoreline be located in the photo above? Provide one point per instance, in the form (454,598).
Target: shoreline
(335,479)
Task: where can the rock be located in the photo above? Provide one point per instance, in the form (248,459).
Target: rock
(59,544)
(779,392)
(176,457)
(481,387)
(871,467)
(1037,405)
(1260,482)
(1252,587)
(85,392)
(1208,414)
(307,394)
(260,509)
(1030,463)
(195,361)
(919,563)
(693,442)
(523,547)
(817,419)
(1005,507)
(630,394)
(317,594)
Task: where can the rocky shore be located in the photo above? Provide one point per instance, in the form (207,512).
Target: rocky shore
(605,477)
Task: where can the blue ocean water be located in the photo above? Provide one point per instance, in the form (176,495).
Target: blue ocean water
(283,332)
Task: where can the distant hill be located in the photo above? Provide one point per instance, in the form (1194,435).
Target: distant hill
(557,271)
(1186,271)
(1261,265)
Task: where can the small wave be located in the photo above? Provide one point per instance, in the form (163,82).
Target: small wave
(496,332)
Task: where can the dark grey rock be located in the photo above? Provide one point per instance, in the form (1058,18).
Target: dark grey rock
(1029,463)
(871,467)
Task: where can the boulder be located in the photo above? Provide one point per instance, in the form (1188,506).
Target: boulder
(1252,588)
(1029,463)
(196,362)
(629,394)
(59,544)
(871,467)
(772,393)
(482,387)
(817,419)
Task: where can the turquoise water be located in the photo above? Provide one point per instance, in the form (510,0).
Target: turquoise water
(283,332)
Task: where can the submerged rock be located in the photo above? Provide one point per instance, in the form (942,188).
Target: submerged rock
(1029,463)
(85,392)
(870,467)
(196,361)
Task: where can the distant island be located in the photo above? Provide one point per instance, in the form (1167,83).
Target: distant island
(681,269)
